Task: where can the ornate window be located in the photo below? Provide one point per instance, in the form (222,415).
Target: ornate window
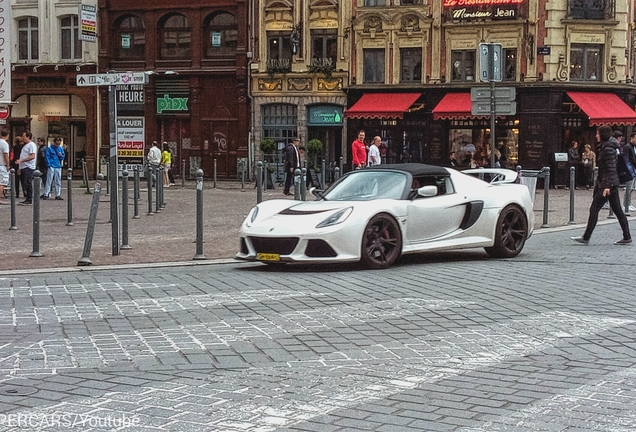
(279,52)
(28,39)
(586,62)
(375,2)
(373,65)
(280,123)
(591,9)
(176,37)
(131,38)
(463,65)
(411,65)
(324,49)
(71,45)
(221,35)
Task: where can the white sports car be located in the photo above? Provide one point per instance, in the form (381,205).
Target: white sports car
(377,214)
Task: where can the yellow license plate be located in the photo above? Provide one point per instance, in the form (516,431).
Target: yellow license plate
(268,257)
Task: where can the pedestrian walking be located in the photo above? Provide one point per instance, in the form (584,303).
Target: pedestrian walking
(4,163)
(292,162)
(154,159)
(374,152)
(14,155)
(55,157)
(27,164)
(166,161)
(42,163)
(606,187)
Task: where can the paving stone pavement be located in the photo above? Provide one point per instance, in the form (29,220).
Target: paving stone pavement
(440,342)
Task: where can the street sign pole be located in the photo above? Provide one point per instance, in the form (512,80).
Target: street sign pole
(493,106)
(113,173)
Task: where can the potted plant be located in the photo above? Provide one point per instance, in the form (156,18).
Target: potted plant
(314,151)
(268,146)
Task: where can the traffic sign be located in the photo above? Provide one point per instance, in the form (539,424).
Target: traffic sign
(490,61)
(5,112)
(502,107)
(501,94)
(112,79)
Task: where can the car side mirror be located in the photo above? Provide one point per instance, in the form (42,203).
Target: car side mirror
(427,191)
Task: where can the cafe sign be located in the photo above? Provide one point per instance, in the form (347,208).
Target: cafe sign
(325,115)
(459,10)
(172,104)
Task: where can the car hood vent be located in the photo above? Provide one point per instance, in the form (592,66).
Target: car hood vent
(292,212)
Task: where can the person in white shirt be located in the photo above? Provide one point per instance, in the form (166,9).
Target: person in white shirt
(26,165)
(4,162)
(374,152)
(154,159)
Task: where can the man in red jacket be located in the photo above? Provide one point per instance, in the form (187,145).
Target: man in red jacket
(359,151)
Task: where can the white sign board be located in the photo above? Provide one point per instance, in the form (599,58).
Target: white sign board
(88,23)
(111,79)
(5,51)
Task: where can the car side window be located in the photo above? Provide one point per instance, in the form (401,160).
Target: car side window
(443,184)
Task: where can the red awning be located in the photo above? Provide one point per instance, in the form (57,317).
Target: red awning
(604,108)
(453,106)
(382,105)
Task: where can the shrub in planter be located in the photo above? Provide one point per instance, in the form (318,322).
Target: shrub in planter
(268,146)
(314,151)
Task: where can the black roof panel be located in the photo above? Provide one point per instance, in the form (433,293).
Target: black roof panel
(415,169)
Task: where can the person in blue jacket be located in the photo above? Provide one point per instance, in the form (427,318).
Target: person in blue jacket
(55,155)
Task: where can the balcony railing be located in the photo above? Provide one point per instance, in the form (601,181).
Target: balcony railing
(278,66)
(322,65)
(591,9)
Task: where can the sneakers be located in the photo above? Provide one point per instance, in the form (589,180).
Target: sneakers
(25,202)
(623,242)
(59,198)
(44,197)
(580,239)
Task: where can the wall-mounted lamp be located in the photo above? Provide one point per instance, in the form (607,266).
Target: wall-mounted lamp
(77,68)
(171,72)
(35,68)
(56,67)
(12,67)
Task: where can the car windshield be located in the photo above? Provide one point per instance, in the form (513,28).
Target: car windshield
(366,185)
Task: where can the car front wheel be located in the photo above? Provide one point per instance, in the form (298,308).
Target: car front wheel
(381,242)
(511,232)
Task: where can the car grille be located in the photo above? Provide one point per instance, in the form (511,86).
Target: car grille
(277,245)
(319,249)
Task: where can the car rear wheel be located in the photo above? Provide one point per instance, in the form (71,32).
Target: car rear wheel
(510,233)
(381,242)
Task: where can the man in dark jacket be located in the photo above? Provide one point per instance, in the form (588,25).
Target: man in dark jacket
(292,161)
(606,187)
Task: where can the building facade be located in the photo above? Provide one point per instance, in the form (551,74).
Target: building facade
(299,71)
(47,55)
(196,98)
(557,56)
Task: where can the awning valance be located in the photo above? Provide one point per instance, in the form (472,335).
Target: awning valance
(453,106)
(604,108)
(382,105)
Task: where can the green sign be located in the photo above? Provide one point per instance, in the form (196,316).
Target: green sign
(167,103)
(325,115)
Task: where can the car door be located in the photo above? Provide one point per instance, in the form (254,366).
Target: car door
(429,218)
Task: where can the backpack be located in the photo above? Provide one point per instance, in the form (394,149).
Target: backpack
(624,167)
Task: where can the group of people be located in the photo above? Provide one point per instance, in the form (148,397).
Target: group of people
(295,158)
(161,160)
(363,154)
(25,156)
(585,160)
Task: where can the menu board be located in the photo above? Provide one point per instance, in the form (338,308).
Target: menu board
(532,152)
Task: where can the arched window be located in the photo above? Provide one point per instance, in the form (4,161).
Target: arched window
(71,45)
(175,37)
(221,35)
(28,46)
(131,38)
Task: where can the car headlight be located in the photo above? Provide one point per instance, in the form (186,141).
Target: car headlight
(336,218)
(252,215)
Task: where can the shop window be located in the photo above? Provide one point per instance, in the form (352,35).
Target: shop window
(471,144)
(324,50)
(463,65)
(176,37)
(591,9)
(510,66)
(28,39)
(279,52)
(71,45)
(375,2)
(373,65)
(280,123)
(411,64)
(131,38)
(411,2)
(586,62)
(221,34)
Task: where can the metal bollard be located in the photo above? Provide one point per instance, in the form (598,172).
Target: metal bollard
(303,185)
(323,177)
(183,173)
(199,252)
(546,192)
(136,192)
(572,188)
(149,181)
(259,182)
(107,178)
(340,165)
(214,173)
(157,191)
(12,183)
(37,182)
(242,174)
(124,210)
(628,196)
(162,190)
(85,176)
(69,197)
(297,186)
(90,229)
(336,174)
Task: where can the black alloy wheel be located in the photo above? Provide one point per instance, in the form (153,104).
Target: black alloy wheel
(381,242)
(511,233)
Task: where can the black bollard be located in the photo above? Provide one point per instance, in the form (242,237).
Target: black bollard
(572,188)
(323,177)
(149,181)
(242,174)
(157,191)
(340,164)
(297,181)
(546,196)
(107,178)
(12,183)
(303,185)
(69,197)
(214,173)
(136,192)
(183,173)
(160,186)
(124,210)
(85,176)
(90,229)
(37,183)
(199,253)
(259,182)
